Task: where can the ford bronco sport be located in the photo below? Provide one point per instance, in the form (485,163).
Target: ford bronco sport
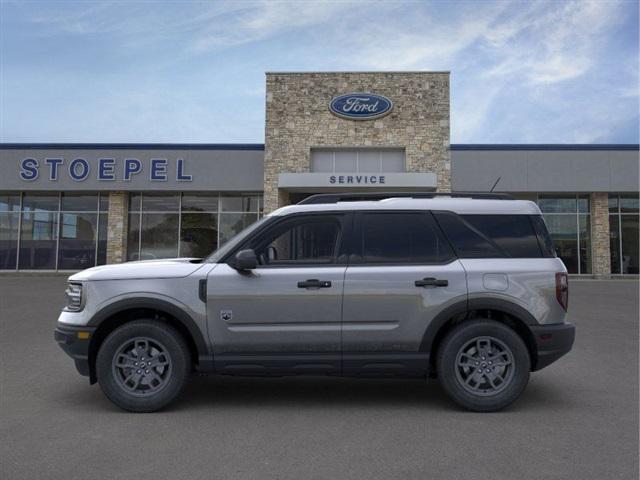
(466,288)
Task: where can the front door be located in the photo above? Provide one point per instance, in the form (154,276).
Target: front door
(402,274)
(285,315)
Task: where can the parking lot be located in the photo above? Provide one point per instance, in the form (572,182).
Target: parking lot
(578,418)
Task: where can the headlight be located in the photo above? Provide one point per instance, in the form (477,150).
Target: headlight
(74,297)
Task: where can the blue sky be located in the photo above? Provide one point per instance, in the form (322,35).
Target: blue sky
(138,71)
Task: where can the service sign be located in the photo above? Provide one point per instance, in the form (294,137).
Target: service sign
(360,106)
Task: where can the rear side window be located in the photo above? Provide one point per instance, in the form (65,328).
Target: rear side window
(402,237)
(513,234)
(491,236)
(467,240)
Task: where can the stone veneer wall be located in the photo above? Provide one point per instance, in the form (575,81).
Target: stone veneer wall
(600,248)
(298,119)
(117,227)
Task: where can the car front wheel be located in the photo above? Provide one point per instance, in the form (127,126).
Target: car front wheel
(483,365)
(143,365)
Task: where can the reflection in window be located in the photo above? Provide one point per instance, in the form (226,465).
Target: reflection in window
(38,238)
(233,223)
(77,248)
(159,236)
(623,233)
(198,234)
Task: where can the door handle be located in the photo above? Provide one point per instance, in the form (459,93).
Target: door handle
(431,282)
(314,283)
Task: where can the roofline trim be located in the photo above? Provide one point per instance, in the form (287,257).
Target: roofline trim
(544,146)
(132,146)
(336,72)
(260,146)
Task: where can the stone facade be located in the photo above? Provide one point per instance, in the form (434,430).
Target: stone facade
(117,227)
(298,119)
(600,248)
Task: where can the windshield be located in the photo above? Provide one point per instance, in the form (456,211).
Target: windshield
(234,241)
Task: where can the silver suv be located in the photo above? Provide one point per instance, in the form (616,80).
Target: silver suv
(466,288)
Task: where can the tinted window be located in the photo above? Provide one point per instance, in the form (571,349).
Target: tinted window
(300,241)
(544,239)
(468,241)
(402,238)
(513,234)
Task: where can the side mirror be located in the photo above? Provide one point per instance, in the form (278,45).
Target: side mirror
(245,260)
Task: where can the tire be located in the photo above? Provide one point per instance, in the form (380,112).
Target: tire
(492,348)
(143,365)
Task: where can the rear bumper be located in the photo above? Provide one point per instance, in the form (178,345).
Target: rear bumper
(552,342)
(77,347)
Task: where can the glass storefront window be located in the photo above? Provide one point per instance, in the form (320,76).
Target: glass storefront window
(77,247)
(52,231)
(233,223)
(38,240)
(9,202)
(623,233)
(9,224)
(629,203)
(200,202)
(133,236)
(239,203)
(152,202)
(79,202)
(569,222)
(40,201)
(198,234)
(558,204)
(193,224)
(159,236)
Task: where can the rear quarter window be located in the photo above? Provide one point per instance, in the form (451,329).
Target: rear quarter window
(513,234)
(491,236)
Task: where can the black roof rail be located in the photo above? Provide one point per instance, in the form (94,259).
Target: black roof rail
(364,196)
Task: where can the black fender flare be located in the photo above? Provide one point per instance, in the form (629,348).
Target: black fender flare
(465,306)
(156,304)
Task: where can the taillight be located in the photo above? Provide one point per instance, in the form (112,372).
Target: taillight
(562,289)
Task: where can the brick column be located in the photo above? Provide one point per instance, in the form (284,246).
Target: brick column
(117,227)
(600,252)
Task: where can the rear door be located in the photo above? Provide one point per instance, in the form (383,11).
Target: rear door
(401,274)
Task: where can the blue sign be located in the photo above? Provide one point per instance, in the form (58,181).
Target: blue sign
(360,106)
(107,169)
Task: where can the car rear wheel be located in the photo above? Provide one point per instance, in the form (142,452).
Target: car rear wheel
(143,365)
(483,365)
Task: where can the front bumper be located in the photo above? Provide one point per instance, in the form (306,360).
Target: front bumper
(552,342)
(75,343)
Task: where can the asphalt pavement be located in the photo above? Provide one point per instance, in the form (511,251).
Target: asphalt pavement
(578,418)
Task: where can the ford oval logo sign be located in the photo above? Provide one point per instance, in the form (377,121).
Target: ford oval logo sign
(360,106)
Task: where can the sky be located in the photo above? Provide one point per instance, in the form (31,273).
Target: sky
(193,72)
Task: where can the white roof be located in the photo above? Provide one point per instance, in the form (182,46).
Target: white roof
(459,205)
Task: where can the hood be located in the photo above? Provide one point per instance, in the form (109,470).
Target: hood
(165,268)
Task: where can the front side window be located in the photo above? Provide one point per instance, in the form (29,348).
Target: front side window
(394,237)
(304,240)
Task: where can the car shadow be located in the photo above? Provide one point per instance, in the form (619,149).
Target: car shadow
(206,392)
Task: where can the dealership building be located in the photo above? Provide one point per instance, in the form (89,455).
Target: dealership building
(73,206)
